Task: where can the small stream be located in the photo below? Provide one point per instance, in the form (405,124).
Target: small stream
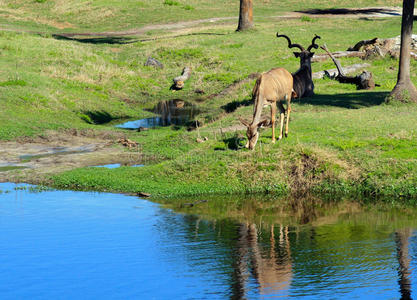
(86,245)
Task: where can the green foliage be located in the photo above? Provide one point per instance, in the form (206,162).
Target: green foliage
(85,118)
(308,19)
(226,78)
(171,3)
(180,54)
(233,46)
(13,82)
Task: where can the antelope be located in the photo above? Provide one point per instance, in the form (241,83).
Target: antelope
(303,83)
(271,88)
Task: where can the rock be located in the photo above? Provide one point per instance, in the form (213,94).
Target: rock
(140,129)
(154,63)
(142,194)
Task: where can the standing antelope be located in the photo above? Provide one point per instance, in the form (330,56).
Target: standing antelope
(303,82)
(271,88)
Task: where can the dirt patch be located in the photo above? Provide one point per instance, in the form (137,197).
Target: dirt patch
(30,159)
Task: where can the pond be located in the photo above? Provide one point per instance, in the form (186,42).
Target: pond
(172,112)
(72,245)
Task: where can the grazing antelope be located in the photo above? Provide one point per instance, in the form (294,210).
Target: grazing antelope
(271,88)
(303,82)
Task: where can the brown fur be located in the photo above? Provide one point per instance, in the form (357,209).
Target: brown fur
(272,88)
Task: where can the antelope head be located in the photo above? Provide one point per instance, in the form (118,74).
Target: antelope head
(304,55)
(252,132)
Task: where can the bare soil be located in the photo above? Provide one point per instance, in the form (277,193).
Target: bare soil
(59,151)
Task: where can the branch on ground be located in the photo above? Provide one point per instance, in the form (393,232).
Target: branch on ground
(362,43)
(364,81)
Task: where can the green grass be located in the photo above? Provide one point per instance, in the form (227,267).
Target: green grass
(341,141)
(99,15)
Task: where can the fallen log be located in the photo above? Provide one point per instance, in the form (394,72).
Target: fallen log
(338,54)
(364,81)
(179,81)
(334,72)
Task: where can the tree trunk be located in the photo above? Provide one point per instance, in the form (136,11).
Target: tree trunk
(404,90)
(245,15)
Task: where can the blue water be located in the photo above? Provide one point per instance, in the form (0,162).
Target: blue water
(146,123)
(84,245)
(115,166)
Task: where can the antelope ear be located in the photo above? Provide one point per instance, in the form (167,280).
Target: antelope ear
(294,94)
(311,54)
(246,123)
(297,54)
(263,123)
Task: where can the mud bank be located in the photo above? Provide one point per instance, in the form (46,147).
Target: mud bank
(30,159)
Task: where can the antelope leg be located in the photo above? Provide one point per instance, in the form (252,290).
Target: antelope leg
(288,115)
(282,116)
(273,112)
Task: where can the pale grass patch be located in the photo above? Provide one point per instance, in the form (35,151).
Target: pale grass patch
(89,72)
(63,7)
(20,15)
(402,135)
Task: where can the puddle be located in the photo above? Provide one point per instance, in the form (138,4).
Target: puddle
(57,151)
(115,166)
(172,112)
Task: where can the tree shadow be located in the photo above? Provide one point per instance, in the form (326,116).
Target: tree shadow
(234,143)
(99,117)
(350,11)
(349,100)
(232,106)
(98,40)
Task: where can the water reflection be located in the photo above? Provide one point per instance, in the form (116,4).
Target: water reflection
(63,244)
(317,249)
(269,264)
(172,112)
(404,272)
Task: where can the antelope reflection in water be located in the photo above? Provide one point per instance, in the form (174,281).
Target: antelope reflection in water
(272,269)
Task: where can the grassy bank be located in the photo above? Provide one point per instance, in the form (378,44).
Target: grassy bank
(341,141)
